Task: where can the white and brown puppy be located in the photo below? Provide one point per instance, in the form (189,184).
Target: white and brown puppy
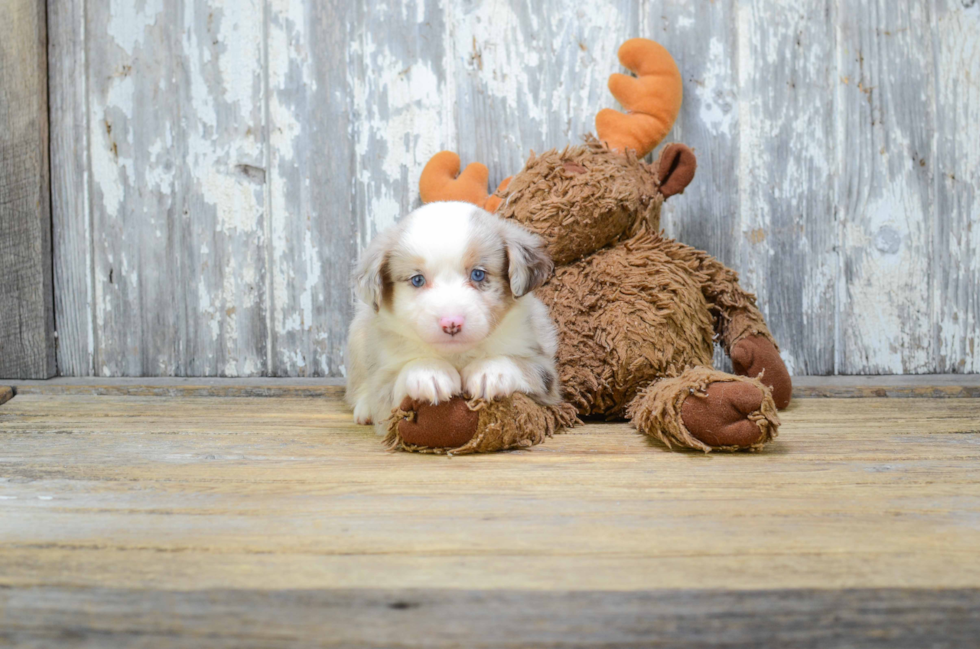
(445,308)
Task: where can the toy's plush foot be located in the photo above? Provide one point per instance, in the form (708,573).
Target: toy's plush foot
(722,415)
(459,427)
(754,356)
(707,410)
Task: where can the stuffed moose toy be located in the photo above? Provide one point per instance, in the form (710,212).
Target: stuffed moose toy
(637,313)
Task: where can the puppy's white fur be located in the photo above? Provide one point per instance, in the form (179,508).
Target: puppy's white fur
(400,344)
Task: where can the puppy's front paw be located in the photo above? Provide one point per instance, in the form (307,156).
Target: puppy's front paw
(493,378)
(431,380)
(362,413)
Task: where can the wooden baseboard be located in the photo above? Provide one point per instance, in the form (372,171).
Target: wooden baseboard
(804,387)
(895,386)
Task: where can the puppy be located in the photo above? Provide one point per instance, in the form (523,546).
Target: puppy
(445,308)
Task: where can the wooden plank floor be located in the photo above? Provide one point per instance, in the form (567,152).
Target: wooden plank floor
(253,521)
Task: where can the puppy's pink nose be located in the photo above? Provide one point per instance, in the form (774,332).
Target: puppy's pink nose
(452,324)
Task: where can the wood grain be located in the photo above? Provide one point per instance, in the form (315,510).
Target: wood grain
(237,619)
(956,176)
(176,144)
(27,341)
(313,234)
(155,492)
(269,522)
(131,106)
(401,75)
(217,324)
(886,187)
(71,215)
(257,147)
(532,75)
(787,232)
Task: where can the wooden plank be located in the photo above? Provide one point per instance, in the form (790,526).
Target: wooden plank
(936,386)
(532,75)
(786,124)
(703,39)
(403,102)
(178,206)
(956,171)
(71,224)
(885,190)
(133,120)
(27,343)
(157,493)
(218,323)
(901,618)
(312,240)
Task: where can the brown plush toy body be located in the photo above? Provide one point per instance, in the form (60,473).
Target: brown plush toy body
(637,313)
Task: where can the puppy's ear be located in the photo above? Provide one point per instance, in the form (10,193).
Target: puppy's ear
(369,274)
(528,262)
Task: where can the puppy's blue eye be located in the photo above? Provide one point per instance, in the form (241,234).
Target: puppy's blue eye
(478,275)
(417,281)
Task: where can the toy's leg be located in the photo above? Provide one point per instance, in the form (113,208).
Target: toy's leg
(707,410)
(742,330)
(758,357)
(459,427)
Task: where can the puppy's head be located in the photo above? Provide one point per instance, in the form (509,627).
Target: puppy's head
(449,272)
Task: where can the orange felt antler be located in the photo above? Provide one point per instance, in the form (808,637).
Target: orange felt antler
(652,99)
(441,181)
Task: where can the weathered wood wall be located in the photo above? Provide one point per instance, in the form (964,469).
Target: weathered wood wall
(217,164)
(27,341)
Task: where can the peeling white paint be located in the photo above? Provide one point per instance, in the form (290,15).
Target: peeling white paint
(887,311)
(285,136)
(717,99)
(128,21)
(886,324)
(402,118)
(508,62)
(106,133)
(957,294)
(252,249)
(240,34)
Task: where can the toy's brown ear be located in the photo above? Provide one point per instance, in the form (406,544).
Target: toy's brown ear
(676,169)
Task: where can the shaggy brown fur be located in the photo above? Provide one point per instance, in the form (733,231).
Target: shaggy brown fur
(636,319)
(626,316)
(583,198)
